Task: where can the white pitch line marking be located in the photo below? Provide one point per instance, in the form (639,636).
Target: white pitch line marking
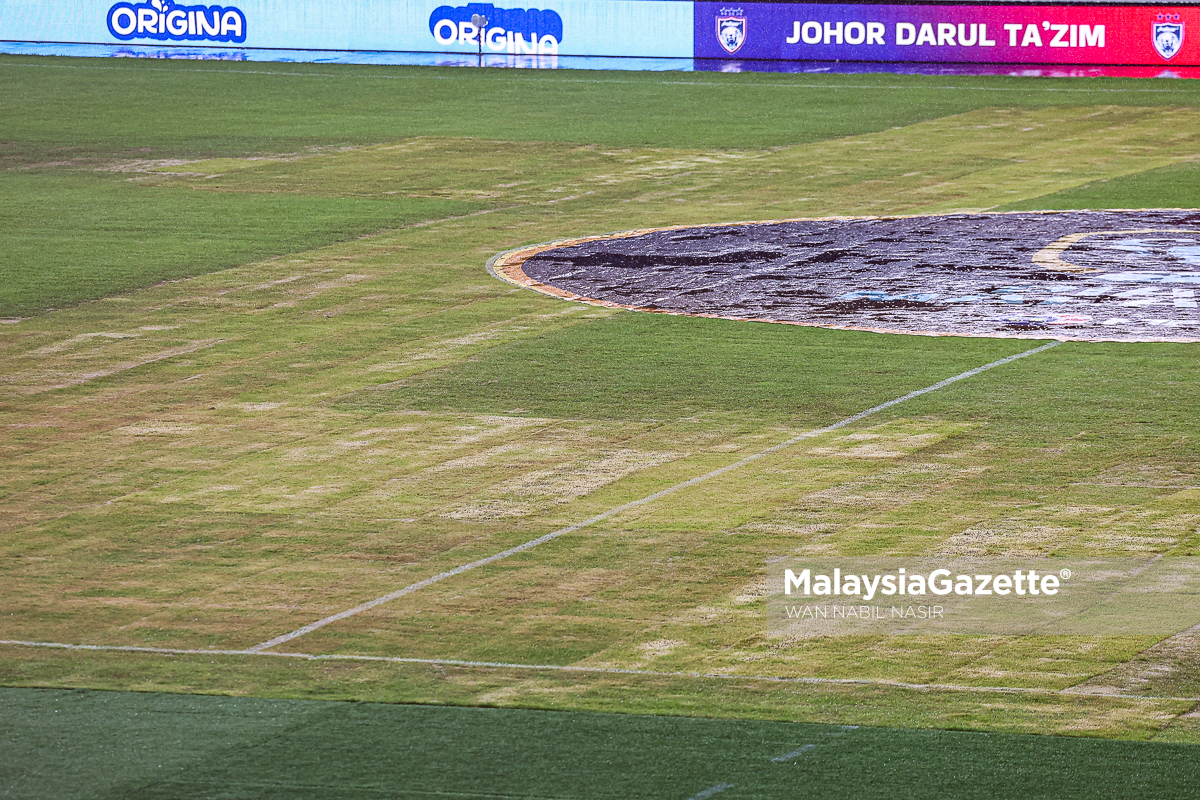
(786,757)
(449,662)
(710,791)
(512,551)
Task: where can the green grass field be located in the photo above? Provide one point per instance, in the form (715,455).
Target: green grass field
(67,741)
(256,374)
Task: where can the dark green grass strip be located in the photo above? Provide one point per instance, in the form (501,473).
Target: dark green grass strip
(76,744)
(68,237)
(58,108)
(1176,186)
(650,366)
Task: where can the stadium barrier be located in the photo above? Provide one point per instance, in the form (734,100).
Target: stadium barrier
(1100,34)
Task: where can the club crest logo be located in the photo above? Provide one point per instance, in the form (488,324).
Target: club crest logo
(1167,35)
(731,29)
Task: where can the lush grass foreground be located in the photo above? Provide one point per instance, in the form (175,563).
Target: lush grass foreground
(280,383)
(169,746)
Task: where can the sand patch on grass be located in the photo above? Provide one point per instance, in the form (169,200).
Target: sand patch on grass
(480,459)
(78,339)
(1169,668)
(660,647)
(892,488)
(893,439)
(1006,537)
(541,489)
(870,445)
(1154,476)
(487,426)
(158,429)
(447,348)
(251,407)
(759,589)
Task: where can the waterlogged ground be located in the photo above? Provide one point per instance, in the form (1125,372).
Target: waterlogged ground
(208,462)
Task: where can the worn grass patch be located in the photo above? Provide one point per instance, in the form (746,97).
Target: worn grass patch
(347,405)
(971,161)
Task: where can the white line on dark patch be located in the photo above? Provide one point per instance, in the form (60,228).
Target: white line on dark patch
(786,757)
(612,512)
(844,730)
(710,791)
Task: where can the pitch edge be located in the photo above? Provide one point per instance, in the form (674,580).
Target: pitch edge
(507,267)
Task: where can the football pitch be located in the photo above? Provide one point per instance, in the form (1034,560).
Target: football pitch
(274,434)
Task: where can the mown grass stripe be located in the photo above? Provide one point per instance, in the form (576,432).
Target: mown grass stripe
(723,676)
(547,76)
(670,490)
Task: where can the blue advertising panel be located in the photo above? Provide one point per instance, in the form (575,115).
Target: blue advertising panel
(661,29)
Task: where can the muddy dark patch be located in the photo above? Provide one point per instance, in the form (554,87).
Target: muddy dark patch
(1101,275)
